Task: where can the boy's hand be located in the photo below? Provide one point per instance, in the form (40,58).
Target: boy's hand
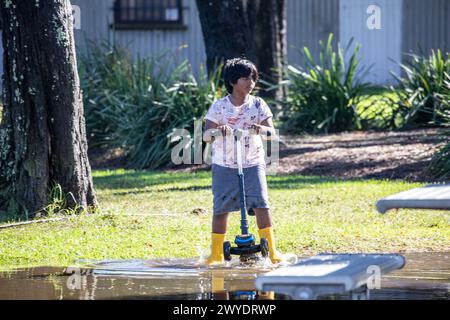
(226,130)
(267,132)
(258,128)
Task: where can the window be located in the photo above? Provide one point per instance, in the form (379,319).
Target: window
(143,14)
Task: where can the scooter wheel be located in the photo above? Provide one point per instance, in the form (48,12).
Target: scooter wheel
(264,247)
(226,250)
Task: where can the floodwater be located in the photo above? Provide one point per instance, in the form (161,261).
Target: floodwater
(425,276)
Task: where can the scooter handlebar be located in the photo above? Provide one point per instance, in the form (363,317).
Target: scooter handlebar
(237,133)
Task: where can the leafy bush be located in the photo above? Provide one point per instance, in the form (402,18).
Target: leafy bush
(423,99)
(376,108)
(422,95)
(137,105)
(439,166)
(322,97)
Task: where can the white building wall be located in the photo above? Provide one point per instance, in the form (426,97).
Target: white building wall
(379,45)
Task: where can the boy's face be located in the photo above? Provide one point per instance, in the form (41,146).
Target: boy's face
(244,85)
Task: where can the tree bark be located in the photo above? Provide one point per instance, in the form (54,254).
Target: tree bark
(42,134)
(254,29)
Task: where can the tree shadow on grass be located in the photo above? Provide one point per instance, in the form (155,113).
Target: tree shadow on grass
(296,181)
(141,179)
(163,190)
(313,175)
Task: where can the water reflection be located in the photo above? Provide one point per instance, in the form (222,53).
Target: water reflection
(425,276)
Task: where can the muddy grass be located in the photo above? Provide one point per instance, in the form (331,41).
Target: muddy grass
(401,155)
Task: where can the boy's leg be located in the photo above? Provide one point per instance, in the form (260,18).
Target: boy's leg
(264,221)
(219,228)
(263,218)
(219,223)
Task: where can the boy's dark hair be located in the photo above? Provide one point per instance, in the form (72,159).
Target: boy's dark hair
(237,68)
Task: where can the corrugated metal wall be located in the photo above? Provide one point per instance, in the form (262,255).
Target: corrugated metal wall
(379,43)
(426,22)
(97,16)
(308,22)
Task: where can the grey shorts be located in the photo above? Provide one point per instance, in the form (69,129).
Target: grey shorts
(225,188)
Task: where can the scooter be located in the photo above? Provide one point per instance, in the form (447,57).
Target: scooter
(246,247)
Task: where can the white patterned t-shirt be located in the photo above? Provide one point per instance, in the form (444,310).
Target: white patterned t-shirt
(223,112)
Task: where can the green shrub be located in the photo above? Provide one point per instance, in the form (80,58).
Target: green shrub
(323,96)
(137,105)
(422,94)
(375,108)
(439,166)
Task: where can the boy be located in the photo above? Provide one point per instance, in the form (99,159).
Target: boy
(239,110)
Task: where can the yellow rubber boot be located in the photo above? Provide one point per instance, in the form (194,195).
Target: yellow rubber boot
(216,256)
(274,255)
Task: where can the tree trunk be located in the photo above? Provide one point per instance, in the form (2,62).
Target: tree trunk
(42,134)
(225,27)
(255,29)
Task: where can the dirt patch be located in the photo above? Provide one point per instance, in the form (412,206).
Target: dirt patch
(382,155)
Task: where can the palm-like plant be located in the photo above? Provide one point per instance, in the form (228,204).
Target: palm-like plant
(323,96)
(137,105)
(422,94)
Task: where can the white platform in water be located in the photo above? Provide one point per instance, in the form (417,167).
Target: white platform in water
(328,274)
(430,197)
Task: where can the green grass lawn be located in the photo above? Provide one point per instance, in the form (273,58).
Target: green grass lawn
(149,215)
